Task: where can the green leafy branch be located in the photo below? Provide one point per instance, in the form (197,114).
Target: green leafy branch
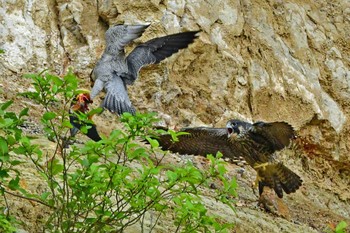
(111,184)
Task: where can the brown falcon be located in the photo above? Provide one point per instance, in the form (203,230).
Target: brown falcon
(80,105)
(256,143)
(115,70)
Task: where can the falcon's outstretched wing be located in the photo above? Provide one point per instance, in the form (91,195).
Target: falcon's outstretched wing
(113,57)
(257,145)
(198,141)
(114,71)
(120,35)
(156,50)
(275,136)
(258,142)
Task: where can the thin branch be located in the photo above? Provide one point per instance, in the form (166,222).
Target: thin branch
(29,199)
(7,205)
(156,222)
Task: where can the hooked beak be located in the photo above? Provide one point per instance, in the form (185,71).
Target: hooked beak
(83,100)
(229,129)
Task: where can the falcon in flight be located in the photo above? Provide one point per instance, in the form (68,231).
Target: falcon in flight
(80,105)
(256,143)
(115,70)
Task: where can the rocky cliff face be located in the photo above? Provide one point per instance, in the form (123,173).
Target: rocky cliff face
(255,60)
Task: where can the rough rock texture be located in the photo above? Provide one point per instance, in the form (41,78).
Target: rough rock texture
(256,60)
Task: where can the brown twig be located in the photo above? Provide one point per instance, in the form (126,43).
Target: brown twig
(29,199)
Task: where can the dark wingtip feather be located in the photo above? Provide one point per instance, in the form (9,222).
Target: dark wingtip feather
(166,46)
(92,131)
(93,134)
(278,188)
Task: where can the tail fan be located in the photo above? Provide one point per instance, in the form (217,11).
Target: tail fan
(278,177)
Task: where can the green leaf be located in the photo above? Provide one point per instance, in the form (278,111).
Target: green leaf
(139,152)
(55,167)
(126,115)
(7,122)
(14,183)
(221,168)
(342,225)
(49,116)
(5,105)
(95,111)
(54,88)
(24,112)
(15,162)
(154,143)
(174,135)
(219,155)
(67,124)
(31,76)
(85,163)
(57,80)
(4,173)
(211,158)
(85,128)
(20,150)
(172,176)
(44,195)
(71,80)
(3,147)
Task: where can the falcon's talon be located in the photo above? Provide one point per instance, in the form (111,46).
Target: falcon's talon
(262,165)
(257,180)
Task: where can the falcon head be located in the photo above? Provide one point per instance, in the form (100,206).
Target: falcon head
(81,102)
(235,127)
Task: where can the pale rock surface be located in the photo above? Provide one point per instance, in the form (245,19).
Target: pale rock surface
(255,60)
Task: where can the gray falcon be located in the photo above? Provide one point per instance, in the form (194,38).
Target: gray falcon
(256,143)
(115,70)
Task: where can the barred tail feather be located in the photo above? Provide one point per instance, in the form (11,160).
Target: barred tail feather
(280,178)
(117,105)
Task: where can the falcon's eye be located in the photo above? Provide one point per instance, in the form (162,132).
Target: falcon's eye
(233,124)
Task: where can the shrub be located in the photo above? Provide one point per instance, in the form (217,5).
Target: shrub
(11,141)
(109,185)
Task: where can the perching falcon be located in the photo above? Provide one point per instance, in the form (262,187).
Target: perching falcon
(115,70)
(256,143)
(80,105)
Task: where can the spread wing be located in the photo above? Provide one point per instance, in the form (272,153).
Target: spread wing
(116,38)
(198,141)
(257,145)
(274,136)
(120,35)
(156,50)
(117,99)
(261,140)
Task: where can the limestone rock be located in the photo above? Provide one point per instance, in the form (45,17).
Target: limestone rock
(255,60)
